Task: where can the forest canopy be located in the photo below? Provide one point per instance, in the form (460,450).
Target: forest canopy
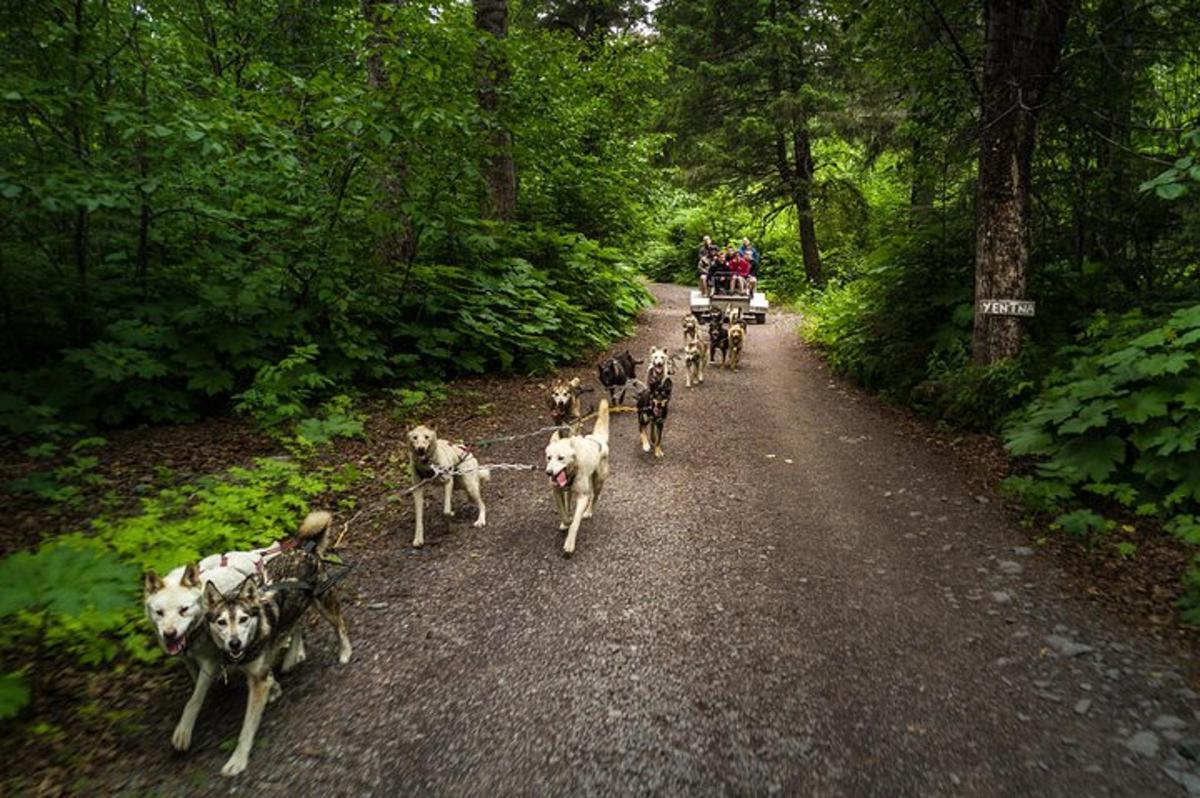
(196,198)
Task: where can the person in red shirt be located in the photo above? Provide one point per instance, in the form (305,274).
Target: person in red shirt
(740,267)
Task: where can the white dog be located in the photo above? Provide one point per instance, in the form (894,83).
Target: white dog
(662,364)
(578,466)
(426,454)
(175,608)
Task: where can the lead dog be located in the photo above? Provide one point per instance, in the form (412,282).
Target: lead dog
(737,339)
(251,624)
(428,455)
(718,339)
(578,466)
(175,607)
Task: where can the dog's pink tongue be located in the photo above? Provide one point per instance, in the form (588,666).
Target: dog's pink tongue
(176,645)
(560,479)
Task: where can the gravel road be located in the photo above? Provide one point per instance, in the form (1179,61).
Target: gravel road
(799,598)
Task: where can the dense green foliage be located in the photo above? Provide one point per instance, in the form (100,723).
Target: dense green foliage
(192,199)
(1121,424)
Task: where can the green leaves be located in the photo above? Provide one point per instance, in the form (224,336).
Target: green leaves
(65,579)
(1173,183)
(14,695)
(1124,424)
(1082,522)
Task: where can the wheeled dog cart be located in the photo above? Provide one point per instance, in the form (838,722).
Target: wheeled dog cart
(754,308)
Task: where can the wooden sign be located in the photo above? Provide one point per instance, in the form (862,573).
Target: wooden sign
(1006,307)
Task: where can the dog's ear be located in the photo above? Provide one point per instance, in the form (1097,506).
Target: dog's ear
(212,594)
(248,590)
(555,437)
(191,575)
(152,582)
(576,382)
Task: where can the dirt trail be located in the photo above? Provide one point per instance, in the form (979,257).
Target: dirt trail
(797,599)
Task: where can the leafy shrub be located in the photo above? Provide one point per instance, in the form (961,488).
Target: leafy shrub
(905,317)
(415,401)
(281,391)
(1120,425)
(1172,183)
(338,419)
(65,483)
(48,590)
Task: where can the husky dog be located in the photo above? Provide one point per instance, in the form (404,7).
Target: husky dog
(660,367)
(737,339)
(427,451)
(577,467)
(251,624)
(652,405)
(615,374)
(565,407)
(718,339)
(175,608)
(691,328)
(695,353)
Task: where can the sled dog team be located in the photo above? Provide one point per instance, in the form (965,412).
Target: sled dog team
(241,611)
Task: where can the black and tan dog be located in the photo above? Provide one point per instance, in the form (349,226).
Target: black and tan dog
(615,374)
(565,406)
(737,340)
(653,402)
(253,624)
(718,340)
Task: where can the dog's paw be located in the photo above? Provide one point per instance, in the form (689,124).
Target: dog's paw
(563,528)
(658,452)
(181,740)
(345,654)
(479,523)
(645,447)
(276,692)
(236,764)
(418,543)
(568,552)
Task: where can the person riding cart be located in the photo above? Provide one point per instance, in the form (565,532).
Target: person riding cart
(708,255)
(719,276)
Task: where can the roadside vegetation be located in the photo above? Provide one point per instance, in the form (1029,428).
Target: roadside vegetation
(1073,152)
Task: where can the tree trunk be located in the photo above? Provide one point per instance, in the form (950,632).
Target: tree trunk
(500,171)
(802,199)
(398,245)
(1113,232)
(1022,42)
